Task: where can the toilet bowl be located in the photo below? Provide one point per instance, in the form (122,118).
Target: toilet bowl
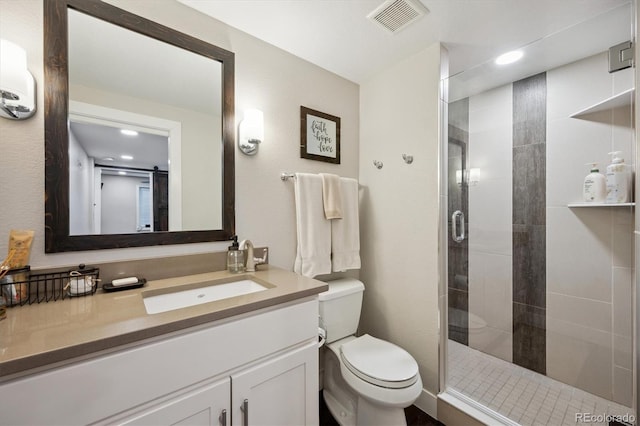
(367,381)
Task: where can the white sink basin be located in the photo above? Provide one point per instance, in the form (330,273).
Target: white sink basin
(204,293)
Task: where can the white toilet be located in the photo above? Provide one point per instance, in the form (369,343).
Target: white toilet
(367,381)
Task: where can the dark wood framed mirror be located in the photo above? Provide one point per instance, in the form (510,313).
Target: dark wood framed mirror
(202,208)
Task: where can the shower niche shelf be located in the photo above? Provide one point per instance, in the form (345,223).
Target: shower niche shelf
(616,101)
(577,205)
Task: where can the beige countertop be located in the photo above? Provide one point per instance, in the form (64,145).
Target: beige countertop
(42,334)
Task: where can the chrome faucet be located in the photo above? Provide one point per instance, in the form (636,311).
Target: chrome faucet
(252,262)
(248,246)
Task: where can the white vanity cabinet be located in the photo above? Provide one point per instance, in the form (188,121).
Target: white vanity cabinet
(271,393)
(208,405)
(275,392)
(268,359)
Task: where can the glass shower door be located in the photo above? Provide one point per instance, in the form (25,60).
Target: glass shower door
(540,287)
(457,215)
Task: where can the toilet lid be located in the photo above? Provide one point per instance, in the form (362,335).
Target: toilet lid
(379,362)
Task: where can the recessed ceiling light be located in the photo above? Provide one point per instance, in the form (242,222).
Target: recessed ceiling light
(122,173)
(509,57)
(128,132)
(126,157)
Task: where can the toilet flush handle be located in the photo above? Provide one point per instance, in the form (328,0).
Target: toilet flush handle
(322,336)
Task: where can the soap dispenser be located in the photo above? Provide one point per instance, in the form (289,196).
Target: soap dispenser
(618,180)
(235,257)
(594,189)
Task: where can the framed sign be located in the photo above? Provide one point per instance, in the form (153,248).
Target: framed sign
(320,136)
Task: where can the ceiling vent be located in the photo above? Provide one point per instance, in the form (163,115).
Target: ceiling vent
(394,15)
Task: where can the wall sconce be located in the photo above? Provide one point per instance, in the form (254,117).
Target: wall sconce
(470,177)
(474,177)
(251,131)
(17,85)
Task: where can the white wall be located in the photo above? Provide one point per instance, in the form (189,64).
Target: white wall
(119,203)
(202,182)
(266,78)
(589,251)
(80,188)
(399,113)
(490,241)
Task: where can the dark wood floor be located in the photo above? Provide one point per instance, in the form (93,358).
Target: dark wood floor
(414,416)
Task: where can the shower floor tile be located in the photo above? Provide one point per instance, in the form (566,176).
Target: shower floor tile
(521,395)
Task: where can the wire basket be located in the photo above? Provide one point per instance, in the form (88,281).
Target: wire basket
(21,287)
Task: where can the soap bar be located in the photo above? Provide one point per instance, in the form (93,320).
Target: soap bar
(124,281)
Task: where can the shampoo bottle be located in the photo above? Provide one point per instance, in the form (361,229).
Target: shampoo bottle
(594,189)
(618,180)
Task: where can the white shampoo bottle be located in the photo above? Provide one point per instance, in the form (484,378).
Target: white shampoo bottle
(618,180)
(594,189)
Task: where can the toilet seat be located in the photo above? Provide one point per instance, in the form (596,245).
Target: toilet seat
(379,362)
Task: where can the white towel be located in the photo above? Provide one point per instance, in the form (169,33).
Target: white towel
(313,255)
(331,196)
(345,232)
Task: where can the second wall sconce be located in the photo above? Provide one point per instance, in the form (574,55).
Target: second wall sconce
(251,131)
(17,85)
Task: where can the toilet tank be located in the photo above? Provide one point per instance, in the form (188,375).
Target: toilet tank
(340,308)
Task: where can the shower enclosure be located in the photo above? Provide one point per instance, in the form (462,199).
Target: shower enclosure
(540,287)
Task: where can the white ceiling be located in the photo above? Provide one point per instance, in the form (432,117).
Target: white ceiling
(336,34)
(101,142)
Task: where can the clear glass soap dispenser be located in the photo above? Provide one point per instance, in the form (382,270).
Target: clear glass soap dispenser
(235,257)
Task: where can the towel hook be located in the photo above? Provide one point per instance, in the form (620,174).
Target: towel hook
(407,158)
(378,164)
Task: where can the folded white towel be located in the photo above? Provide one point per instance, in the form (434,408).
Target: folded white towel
(313,255)
(331,196)
(345,233)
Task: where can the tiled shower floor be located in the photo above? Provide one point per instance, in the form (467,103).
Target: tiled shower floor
(519,394)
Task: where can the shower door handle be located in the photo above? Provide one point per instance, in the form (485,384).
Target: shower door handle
(457,215)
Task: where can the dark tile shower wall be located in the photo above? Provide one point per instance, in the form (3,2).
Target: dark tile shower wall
(529,222)
(458,291)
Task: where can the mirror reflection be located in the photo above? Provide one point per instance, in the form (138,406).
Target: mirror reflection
(118,180)
(145,133)
(108,70)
